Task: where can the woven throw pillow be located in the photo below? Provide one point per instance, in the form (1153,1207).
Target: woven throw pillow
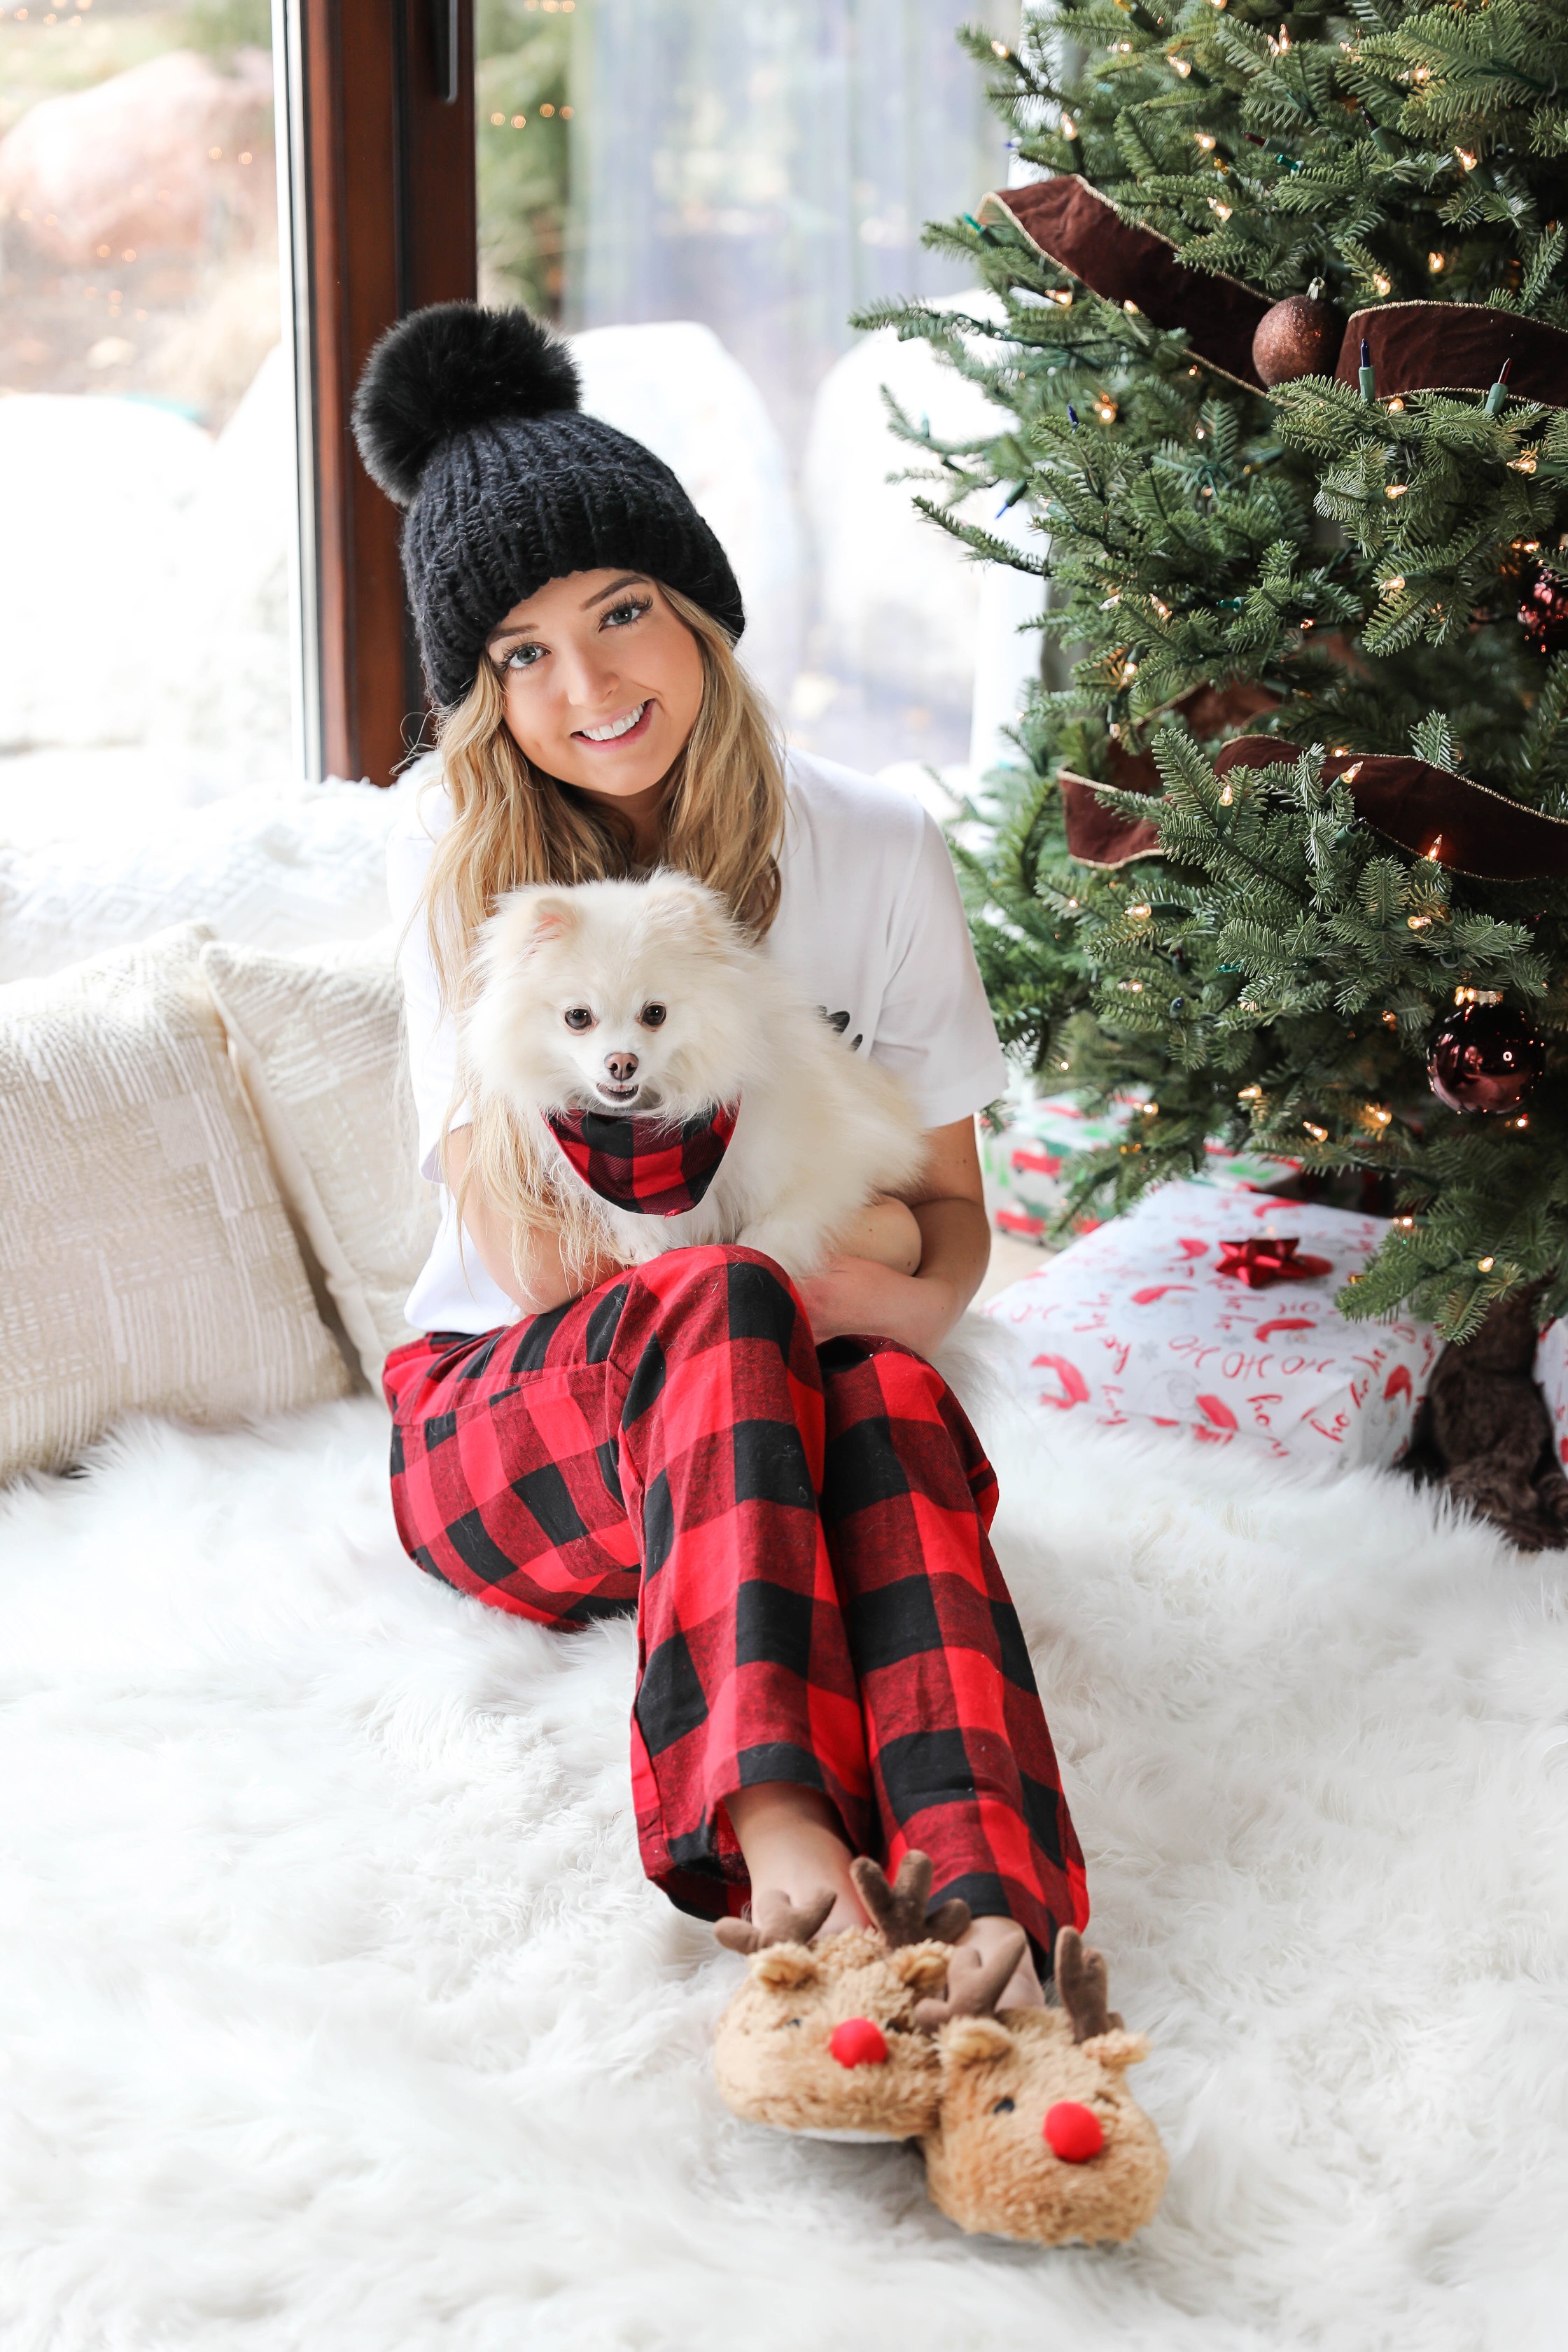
(286,870)
(146,1259)
(318,1041)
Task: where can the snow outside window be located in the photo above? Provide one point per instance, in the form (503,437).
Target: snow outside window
(146,424)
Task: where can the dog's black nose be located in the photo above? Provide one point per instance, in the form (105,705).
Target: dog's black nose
(621,1066)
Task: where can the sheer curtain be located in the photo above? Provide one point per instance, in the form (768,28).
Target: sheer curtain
(763,168)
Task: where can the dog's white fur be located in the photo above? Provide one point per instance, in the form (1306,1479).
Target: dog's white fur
(821,1130)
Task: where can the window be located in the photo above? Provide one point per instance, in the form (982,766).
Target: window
(701,191)
(146,412)
(702,194)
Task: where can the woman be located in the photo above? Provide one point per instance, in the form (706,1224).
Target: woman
(777,1481)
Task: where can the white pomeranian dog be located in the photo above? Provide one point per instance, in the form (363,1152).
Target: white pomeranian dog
(643,1076)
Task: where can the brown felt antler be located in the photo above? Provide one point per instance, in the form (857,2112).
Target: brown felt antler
(973,1984)
(1081,1987)
(776,1920)
(899,1910)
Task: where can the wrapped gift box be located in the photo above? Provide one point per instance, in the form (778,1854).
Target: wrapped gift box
(1551,1379)
(1134,1323)
(1029,1163)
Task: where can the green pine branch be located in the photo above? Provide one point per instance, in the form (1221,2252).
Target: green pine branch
(1273,976)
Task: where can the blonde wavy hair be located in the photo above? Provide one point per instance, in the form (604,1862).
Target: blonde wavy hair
(721,822)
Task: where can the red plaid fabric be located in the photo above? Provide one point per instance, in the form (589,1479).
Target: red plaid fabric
(803,1533)
(643,1164)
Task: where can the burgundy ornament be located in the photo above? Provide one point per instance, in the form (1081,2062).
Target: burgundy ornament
(1485,1057)
(1543,613)
(1300,336)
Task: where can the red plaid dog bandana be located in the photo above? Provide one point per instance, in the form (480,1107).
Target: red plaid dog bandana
(645,1164)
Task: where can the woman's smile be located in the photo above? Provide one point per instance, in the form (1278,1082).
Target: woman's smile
(625,729)
(602,682)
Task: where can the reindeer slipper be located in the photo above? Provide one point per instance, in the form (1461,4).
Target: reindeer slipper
(827,2038)
(1036,2135)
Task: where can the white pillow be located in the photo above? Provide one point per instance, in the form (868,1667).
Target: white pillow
(280,869)
(146,1260)
(318,1042)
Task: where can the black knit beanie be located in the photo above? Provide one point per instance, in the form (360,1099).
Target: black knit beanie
(470,419)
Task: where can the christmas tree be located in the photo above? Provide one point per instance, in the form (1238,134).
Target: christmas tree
(521,94)
(1279,340)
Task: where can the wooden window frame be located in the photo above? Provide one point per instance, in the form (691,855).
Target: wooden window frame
(376,139)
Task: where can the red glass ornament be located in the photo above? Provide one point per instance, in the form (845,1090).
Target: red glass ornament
(858,2042)
(1073,2132)
(1300,336)
(1543,613)
(1485,1057)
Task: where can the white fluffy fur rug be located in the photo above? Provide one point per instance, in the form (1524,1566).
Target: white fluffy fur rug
(339,2015)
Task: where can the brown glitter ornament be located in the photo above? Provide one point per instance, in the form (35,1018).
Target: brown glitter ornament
(1485,1057)
(1300,336)
(1543,613)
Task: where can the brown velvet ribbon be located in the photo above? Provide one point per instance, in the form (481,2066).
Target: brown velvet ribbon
(1073,226)
(1432,812)
(1413,346)
(1096,835)
(1428,811)
(1456,346)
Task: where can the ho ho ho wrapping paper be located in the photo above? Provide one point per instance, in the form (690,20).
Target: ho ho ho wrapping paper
(1134,1324)
(1029,1162)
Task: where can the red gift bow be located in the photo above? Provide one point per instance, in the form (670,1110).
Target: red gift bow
(1266,1258)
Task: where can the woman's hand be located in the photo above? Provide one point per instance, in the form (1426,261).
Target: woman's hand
(855,1295)
(887,1233)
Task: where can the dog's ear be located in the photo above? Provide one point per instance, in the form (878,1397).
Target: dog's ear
(680,900)
(531,918)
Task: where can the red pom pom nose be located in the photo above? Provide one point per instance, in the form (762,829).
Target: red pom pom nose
(1073,2132)
(859,2043)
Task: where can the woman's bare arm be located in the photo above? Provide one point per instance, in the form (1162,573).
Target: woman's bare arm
(886,1231)
(547,1283)
(920,1309)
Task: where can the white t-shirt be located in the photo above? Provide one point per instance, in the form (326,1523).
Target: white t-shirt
(870,921)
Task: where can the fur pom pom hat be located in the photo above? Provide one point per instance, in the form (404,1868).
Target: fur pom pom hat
(470,419)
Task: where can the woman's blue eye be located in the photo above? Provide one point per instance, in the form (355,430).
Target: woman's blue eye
(522,657)
(621,616)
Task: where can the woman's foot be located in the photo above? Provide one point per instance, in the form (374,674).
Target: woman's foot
(796,1852)
(1023,1989)
(795,1849)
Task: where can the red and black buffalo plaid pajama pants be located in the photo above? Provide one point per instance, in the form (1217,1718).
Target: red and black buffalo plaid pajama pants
(802,1531)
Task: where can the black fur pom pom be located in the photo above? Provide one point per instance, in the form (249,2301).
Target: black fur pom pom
(444,370)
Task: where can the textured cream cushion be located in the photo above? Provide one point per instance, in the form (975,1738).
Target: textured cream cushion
(146,1259)
(285,869)
(318,1041)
